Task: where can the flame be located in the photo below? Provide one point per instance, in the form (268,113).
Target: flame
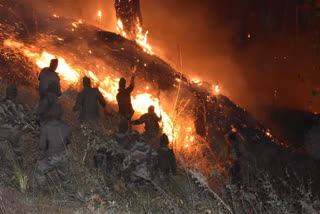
(99,15)
(141,38)
(107,85)
(120,28)
(217,88)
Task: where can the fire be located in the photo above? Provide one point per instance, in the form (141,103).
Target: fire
(107,84)
(99,15)
(120,28)
(217,88)
(141,38)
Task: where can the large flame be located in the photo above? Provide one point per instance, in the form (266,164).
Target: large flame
(107,84)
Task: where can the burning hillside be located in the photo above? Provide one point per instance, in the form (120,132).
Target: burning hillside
(195,115)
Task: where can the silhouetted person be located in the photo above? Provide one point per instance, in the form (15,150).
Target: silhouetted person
(49,105)
(151,121)
(14,118)
(166,160)
(238,153)
(124,98)
(55,136)
(47,76)
(87,101)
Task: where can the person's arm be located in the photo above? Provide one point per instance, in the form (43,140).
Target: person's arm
(139,121)
(131,86)
(101,99)
(43,145)
(79,102)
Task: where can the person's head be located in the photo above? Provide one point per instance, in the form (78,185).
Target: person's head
(164,140)
(53,64)
(123,126)
(86,82)
(53,88)
(151,109)
(122,83)
(11,91)
(135,136)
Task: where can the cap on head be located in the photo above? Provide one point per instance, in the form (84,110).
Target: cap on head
(54,64)
(122,83)
(11,91)
(86,81)
(151,109)
(123,126)
(164,140)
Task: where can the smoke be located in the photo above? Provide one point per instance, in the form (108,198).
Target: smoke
(207,33)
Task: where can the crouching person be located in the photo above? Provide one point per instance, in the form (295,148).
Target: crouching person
(140,160)
(166,165)
(54,138)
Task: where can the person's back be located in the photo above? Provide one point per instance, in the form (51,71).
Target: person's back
(49,107)
(124,102)
(124,98)
(151,122)
(54,137)
(48,76)
(87,101)
(166,159)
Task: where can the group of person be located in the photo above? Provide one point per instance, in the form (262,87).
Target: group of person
(142,157)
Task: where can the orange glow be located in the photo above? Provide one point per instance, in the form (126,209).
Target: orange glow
(120,28)
(268,134)
(141,38)
(217,88)
(100,15)
(107,85)
(55,16)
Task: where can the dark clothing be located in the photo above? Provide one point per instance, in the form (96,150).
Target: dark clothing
(87,103)
(46,77)
(124,101)
(151,121)
(15,121)
(123,141)
(166,161)
(59,162)
(49,107)
(55,135)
